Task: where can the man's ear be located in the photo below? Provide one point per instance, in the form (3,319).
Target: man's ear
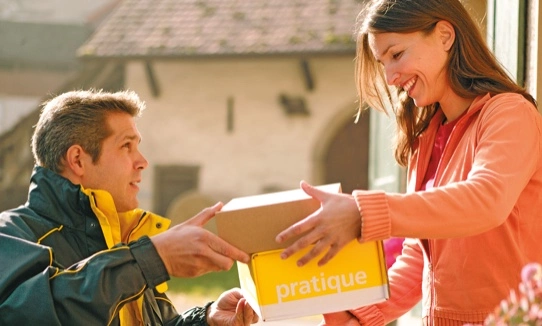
(74,160)
(446,34)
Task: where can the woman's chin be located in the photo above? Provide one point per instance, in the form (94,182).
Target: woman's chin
(420,103)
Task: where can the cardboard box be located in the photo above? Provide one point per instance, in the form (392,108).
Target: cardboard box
(251,223)
(279,289)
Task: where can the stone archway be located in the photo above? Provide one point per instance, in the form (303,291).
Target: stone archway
(342,152)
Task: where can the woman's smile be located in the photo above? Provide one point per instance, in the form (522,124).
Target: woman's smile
(409,85)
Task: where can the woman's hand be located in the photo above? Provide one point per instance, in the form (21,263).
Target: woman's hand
(330,228)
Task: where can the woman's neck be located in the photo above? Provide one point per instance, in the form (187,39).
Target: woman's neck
(454,108)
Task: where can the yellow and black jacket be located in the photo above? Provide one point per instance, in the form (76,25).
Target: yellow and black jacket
(68,258)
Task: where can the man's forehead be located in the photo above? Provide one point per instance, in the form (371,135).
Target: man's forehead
(123,127)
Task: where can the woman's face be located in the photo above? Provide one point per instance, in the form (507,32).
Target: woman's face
(415,63)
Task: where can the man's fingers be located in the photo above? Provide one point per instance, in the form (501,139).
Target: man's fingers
(219,262)
(255,317)
(245,312)
(236,293)
(239,312)
(250,315)
(223,248)
(205,215)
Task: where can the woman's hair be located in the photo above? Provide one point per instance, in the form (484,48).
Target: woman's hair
(472,68)
(78,117)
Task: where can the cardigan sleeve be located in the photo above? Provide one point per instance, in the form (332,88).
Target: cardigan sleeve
(405,278)
(483,173)
(375,221)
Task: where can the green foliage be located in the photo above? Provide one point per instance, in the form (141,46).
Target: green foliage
(332,38)
(209,284)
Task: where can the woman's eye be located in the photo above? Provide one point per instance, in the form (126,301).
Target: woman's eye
(397,55)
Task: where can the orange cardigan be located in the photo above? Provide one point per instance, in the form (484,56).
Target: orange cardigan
(483,218)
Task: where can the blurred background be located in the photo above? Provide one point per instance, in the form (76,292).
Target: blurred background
(243,97)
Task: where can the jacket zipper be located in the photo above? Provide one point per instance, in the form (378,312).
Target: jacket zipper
(138,222)
(429,247)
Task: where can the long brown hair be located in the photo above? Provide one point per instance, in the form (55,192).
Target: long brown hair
(472,69)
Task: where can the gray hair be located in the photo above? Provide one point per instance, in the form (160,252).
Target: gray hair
(78,117)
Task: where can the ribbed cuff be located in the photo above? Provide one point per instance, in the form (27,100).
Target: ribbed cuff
(368,316)
(196,316)
(375,218)
(149,261)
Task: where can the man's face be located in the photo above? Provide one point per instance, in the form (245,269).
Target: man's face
(118,169)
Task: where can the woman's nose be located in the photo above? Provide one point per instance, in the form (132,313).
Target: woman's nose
(392,77)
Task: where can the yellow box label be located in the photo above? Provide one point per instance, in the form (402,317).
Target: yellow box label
(357,266)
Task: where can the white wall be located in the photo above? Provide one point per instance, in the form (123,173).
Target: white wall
(14,108)
(186,124)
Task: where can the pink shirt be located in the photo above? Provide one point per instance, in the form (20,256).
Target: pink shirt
(441,138)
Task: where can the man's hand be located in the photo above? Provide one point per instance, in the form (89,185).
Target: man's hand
(343,318)
(330,228)
(189,250)
(231,309)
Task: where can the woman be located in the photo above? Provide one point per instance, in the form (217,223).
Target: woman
(471,140)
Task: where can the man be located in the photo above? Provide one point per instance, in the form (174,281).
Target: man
(80,252)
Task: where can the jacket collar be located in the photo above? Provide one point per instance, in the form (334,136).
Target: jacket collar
(425,141)
(59,200)
(56,198)
(476,105)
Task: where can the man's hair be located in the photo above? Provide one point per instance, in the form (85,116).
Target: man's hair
(78,117)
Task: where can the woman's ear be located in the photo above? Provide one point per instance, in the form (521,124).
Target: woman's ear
(446,34)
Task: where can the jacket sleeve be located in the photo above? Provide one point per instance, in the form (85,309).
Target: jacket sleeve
(35,290)
(196,316)
(25,291)
(405,278)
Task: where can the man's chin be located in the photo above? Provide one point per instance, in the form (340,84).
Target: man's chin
(127,208)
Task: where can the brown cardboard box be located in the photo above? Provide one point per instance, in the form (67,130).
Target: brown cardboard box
(251,223)
(277,288)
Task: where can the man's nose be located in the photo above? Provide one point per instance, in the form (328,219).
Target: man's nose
(142,162)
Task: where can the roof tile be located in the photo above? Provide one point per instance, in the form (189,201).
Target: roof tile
(179,28)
